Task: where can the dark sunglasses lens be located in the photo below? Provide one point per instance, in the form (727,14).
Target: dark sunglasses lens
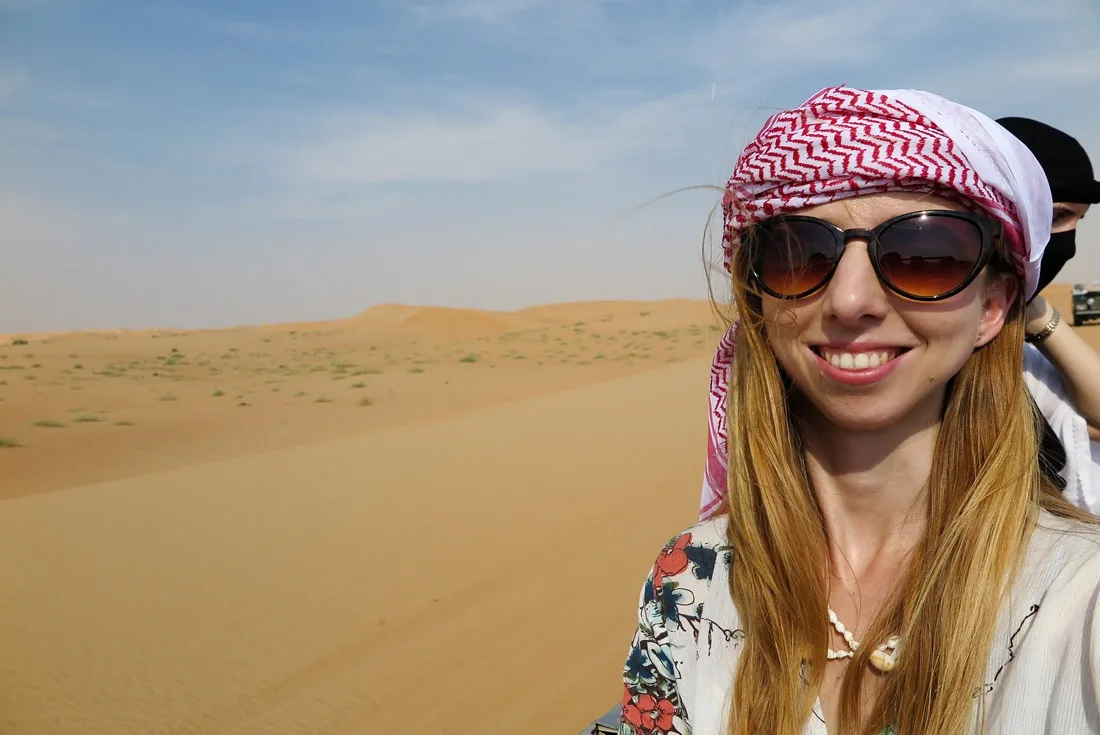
(794,257)
(930,255)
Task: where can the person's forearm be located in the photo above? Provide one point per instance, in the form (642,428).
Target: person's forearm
(1075,360)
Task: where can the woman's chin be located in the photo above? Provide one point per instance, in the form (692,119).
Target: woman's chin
(873,413)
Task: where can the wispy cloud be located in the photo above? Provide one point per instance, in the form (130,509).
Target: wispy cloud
(319,206)
(1071,66)
(496,11)
(753,43)
(1049,12)
(486,142)
(1035,80)
(490,11)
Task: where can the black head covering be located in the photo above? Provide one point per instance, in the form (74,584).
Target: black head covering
(1064,161)
(1069,174)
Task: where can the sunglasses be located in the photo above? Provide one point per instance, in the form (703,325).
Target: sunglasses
(925,256)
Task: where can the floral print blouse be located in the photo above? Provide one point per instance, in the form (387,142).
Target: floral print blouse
(651,698)
(1043,674)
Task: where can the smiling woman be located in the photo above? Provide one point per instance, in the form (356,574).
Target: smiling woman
(881,551)
(820,334)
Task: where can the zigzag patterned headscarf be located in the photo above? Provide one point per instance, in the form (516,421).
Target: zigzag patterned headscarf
(846,142)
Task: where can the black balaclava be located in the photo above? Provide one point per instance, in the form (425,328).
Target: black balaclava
(1062,247)
(1069,173)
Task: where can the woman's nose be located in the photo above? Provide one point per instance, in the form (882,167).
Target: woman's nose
(854,293)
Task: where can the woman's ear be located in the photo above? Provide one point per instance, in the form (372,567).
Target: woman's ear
(1000,293)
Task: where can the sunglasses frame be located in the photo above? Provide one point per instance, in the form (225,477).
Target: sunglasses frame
(989,228)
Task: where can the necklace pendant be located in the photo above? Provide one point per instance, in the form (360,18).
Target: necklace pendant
(885,657)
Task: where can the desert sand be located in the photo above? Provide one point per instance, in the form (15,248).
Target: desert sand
(412,520)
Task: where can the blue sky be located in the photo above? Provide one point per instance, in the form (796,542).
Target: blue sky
(209,163)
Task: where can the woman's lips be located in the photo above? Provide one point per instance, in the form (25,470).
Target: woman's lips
(858,366)
(858,360)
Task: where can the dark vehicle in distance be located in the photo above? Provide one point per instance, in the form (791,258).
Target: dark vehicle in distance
(1086,302)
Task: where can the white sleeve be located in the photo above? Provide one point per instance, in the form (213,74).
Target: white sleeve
(1043,381)
(1082,470)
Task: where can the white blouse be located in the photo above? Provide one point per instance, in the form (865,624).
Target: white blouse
(1043,674)
(1082,470)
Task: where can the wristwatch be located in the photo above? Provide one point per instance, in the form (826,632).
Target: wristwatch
(1046,331)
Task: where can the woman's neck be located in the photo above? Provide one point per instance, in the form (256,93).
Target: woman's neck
(871,487)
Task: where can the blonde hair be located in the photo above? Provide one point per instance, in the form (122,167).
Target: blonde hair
(984,494)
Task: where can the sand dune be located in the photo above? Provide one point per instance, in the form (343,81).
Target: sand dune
(459,323)
(413,520)
(137,402)
(471,574)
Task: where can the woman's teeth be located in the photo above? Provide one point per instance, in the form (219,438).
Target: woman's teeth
(858,360)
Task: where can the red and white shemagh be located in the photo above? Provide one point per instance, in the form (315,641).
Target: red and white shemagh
(846,142)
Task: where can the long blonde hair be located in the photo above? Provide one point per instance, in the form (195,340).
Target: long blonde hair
(985,492)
